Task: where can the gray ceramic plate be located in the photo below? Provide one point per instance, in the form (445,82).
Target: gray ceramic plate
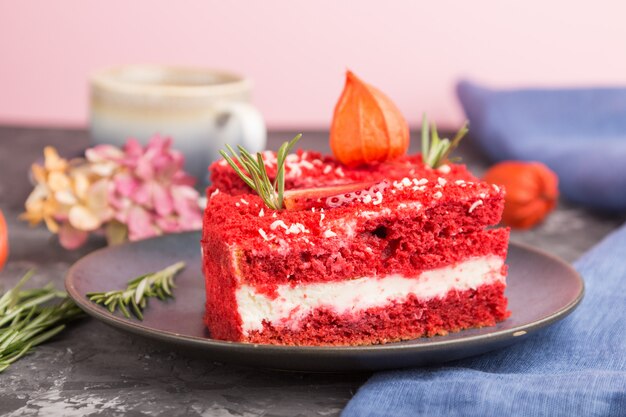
(541,290)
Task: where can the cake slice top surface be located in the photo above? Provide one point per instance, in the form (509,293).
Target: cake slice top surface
(403,185)
(306,169)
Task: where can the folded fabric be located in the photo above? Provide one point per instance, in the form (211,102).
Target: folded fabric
(574,368)
(579,133)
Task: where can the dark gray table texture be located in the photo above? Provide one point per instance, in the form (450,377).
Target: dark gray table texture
(94,370)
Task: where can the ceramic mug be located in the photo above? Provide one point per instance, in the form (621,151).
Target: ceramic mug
(201,109)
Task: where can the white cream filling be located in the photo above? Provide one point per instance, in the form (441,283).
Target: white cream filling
(294,303)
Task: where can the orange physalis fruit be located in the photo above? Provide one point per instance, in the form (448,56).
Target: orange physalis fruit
(367,127)
(4,241)
(531,191)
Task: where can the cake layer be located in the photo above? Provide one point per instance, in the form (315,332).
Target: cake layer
(376,252)
(293,304)
(442,205)
(395,321)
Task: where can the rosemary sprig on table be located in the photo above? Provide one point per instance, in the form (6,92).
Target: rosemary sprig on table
(254,174)
(29,318)
(135,297)
(435,151)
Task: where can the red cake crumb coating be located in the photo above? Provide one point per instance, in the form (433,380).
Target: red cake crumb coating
(462,207)
(306,169)
(418,220)
(222,318)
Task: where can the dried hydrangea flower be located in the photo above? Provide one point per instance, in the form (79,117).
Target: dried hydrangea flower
(69,198)
(131,193)
(152,194)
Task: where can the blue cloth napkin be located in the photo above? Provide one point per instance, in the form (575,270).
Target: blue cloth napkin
(578,133)
(576,367)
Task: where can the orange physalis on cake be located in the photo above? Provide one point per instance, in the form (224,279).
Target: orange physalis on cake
(367,126)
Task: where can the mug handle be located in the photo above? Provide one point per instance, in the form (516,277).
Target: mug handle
(252,126)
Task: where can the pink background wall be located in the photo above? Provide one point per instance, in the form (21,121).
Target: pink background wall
(296,51)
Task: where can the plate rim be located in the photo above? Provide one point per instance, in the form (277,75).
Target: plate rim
(100,313)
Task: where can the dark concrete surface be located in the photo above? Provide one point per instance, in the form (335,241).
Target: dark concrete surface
(93,370)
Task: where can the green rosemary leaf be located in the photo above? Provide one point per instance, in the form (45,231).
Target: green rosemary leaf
(250,160)
(168,284)
(14,314)
(8,339)
(261,188)
(289,146)
(124,310)
(254,172)
(11,297)
(134,282)
(267,186)
(279,181)
(455,141)
(160,294)
(9,359)
(141,289)
(136,309)
(436,150)
(138,290)
(425,134)
(434,143)
(281,156)
(6,335)
(234,166)
(47,335)
(234,154)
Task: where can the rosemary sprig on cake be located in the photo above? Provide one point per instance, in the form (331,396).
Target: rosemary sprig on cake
(30,317)
(135,297)
(253,172)
(435,150)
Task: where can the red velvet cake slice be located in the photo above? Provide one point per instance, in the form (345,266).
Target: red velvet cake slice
(388,252)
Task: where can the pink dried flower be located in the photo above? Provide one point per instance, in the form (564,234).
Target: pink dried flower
(141,189)
(151,193)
